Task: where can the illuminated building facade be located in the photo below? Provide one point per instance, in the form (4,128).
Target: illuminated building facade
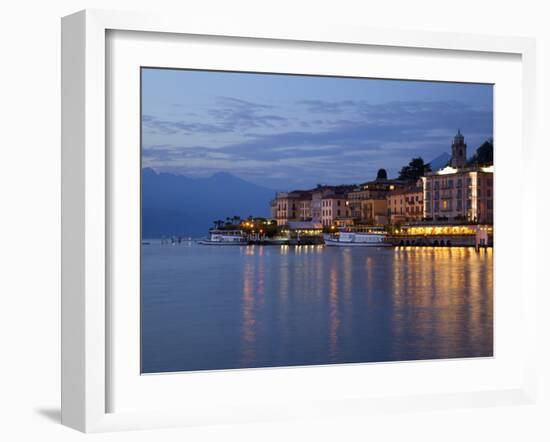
(286,206)
(333,207)
(316,201)
(324,204)
(406,204)
(368,203)
(459,192)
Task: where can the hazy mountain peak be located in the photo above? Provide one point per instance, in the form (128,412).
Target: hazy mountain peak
(224,175)
(176,204)
(440,161)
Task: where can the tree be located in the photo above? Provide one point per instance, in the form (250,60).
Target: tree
(382,174)
(414,170)
(270,230)
(483,155)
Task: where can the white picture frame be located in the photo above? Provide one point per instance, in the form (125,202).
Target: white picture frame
(86,203)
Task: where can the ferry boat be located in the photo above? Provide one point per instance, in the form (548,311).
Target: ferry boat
(358,239)
(225,238)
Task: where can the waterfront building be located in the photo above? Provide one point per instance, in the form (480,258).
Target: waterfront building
(304,207)
(406,204)
(459,192)
(324,204)
(368,204)
(317,195)
(305,227)
(334,206)
(286,207)
(291,206)
(301,233)
(438,234)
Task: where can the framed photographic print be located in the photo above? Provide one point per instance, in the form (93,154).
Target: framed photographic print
(268,223)
(250,260)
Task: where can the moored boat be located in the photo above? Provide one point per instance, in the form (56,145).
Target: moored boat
(358,239)
(225,238)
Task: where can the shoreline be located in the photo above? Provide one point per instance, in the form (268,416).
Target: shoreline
(396,245)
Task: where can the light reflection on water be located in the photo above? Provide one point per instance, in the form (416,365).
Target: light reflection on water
(252,306)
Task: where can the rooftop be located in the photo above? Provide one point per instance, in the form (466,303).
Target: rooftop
(405,190)
(452,170)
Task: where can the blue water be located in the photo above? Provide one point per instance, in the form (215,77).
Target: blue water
(209,307)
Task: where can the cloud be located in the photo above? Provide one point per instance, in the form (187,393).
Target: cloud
(167,127)
(328,107)
(229,115)
(392,128)
(243,104)
(244,115)
(386,111)
(353,140)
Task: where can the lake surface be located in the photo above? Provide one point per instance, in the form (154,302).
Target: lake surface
(211,307)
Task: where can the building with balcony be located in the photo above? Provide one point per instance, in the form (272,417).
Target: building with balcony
(333,207)
(324,204)
(368,204)
(299,205)
(406,204)
(459,192)
(286,207)
(317,195)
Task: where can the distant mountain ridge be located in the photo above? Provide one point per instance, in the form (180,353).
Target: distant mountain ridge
(440,161)
(179,205)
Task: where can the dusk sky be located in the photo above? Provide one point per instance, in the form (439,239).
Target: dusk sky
(286,132)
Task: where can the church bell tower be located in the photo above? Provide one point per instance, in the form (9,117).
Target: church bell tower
(459,158)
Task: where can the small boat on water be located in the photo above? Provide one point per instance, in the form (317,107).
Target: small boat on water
(225,238)
(358,239)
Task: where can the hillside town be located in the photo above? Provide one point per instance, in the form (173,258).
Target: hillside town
(449,206)
(460,192)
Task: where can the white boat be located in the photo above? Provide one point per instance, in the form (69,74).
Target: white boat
(358,239)
(225,238)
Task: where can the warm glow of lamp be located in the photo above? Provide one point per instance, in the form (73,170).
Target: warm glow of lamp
(447,171)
